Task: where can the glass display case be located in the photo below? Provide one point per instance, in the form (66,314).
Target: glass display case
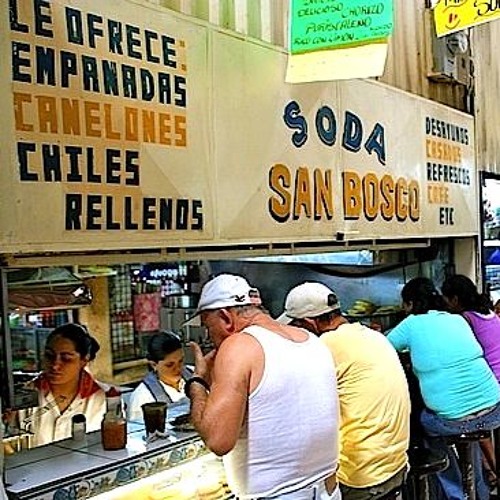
(176,467)
(28,335)
(202,478)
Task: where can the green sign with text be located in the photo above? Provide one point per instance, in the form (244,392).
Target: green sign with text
(331,24)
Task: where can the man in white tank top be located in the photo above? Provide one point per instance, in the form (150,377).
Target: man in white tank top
(265,398)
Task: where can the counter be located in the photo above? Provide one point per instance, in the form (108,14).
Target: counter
(69,470)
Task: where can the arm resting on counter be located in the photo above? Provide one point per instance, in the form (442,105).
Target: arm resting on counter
(219,414)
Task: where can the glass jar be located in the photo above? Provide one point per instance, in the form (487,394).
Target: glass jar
(113,431)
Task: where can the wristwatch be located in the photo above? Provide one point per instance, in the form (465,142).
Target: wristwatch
(195,380)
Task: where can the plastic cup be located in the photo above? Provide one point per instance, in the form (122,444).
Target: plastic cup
(155,415)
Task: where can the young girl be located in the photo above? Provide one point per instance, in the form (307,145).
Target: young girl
(462,297)
(165,381)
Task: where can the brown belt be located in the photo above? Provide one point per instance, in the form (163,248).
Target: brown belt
(479,413)
(331,483)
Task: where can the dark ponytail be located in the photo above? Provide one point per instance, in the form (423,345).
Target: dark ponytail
(467,294)
(161,344)
(422,294)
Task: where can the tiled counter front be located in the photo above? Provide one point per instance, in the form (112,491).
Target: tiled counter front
(70,470)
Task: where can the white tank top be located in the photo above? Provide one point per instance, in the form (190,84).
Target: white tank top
(290,434)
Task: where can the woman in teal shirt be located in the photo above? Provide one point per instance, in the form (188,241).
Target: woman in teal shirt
(459,389)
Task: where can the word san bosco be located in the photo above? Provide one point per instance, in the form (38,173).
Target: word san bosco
(304,194)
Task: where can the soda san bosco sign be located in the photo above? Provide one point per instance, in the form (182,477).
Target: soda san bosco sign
(329,24)
(127,127)
(386,195)
(370,187)
(381,193)
(456,15)
(356,158)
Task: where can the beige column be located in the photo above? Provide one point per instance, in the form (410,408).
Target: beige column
(96,318)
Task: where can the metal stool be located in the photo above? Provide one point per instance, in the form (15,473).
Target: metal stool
(496,444)
(423,463)
(463,443)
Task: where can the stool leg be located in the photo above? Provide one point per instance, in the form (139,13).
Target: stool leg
(405,493)
(467,469)
(496,444)
(423,488)
(411,487)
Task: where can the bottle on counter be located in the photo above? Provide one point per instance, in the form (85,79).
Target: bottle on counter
(78,427)
(113,400)
(114,424)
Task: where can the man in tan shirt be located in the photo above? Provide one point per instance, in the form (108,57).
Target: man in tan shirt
(373,394)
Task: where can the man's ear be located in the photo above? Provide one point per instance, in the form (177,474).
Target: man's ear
(227,318)
(310,325)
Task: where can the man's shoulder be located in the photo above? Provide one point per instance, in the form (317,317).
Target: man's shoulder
(345,331)
(238,342)
(350,336)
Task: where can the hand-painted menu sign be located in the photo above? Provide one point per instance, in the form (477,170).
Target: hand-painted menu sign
(329,24)
(351,160)
(97,100)
(444,146)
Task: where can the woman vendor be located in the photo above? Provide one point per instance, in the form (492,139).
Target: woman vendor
(65,387)
(165,380)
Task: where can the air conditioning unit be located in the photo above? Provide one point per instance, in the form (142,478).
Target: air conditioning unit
(448,60)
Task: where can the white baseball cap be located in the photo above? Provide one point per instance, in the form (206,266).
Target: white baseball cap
(225,290)
(308,300)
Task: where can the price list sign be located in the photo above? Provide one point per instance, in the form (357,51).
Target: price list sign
(456,15)
(330,24)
